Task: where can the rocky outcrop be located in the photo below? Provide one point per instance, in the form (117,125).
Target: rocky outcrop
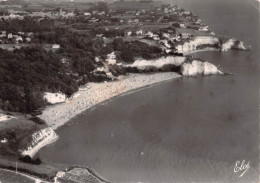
(199,68)
(233,44)
(39,139)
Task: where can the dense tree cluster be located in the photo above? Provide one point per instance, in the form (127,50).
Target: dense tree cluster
(26,72)
(28,24)
(135,49)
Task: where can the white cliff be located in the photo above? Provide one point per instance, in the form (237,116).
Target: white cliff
(199,68)
(39,139)
(158,63)
(193,44)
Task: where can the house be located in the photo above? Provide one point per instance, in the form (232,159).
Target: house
(182,26)
(28,39)
(19,39)
(129,33)
(187,13)
(156,37)
(4,140)
(111,58)
(97,59)
(55,46)
(139,33)
(10,36)
(20,33)
(87,14)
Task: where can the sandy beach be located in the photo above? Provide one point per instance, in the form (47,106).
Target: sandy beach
(57,115)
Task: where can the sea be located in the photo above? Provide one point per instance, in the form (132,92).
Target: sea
(189,129)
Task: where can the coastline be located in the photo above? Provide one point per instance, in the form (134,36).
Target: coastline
(198,51)
(59,114)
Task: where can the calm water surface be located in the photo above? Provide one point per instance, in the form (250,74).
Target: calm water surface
(188,129)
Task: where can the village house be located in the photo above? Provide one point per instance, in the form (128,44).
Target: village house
(28,39)
(111,58)
(128,33)
(3,34)
(149,34)
(87,14)
(139,33)
(10,36)
(55,46)
(187,13)
(156,37)
(182,25)
(18,39)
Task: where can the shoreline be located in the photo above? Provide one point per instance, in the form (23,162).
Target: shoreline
(59,114)
(198,51)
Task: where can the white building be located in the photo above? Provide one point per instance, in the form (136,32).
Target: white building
(129,33)
(111,58)
(139,33)
(55,46)
(10,36)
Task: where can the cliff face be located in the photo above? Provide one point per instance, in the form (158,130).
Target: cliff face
(199,68)
(157,63)
(39,139)
(197,42)
(201,42)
